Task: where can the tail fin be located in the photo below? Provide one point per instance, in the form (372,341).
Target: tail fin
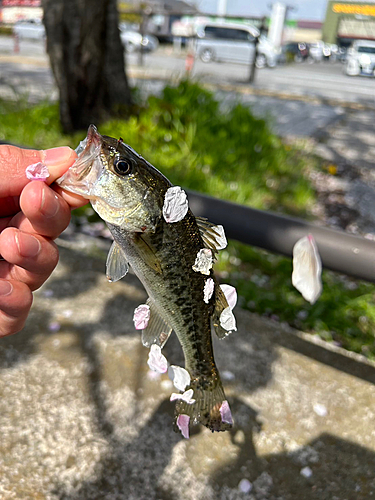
(210,408)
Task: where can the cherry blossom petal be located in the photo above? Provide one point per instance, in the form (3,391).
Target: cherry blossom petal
(227,320)
(208,289)
(156,360)
(175,204)
(179,376)
(37,172)
(221,240)
(226,415)
(230,294)
(203,261)
(183,425)
(186,396)
(141,317)
(307,269)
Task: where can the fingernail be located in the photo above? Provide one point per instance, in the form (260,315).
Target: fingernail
(50,203)
(57,156)
(28,246)
(6,288)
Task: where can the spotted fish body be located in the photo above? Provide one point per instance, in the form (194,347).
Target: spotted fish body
(162,255)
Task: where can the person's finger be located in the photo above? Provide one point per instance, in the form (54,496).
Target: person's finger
(27,258)
(13,163)
(15,302)
(46,211)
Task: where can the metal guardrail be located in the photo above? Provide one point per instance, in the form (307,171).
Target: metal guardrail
(339,251)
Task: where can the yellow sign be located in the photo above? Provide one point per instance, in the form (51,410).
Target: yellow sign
(352,8)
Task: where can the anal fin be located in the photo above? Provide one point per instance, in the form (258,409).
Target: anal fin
(157,331)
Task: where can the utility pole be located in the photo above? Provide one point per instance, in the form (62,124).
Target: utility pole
(254,61)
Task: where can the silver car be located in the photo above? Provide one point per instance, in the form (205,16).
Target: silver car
(233,43)
(30,28)
(360,59)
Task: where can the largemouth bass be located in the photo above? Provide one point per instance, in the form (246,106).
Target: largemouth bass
(171,252)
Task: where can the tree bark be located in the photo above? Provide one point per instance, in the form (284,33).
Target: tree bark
(87,60)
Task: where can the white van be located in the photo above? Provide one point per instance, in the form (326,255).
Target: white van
(233,43)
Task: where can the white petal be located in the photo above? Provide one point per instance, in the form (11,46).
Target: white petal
(183,425)
(175,204)
(179,376)
(203,261)
(156,360)
(221,240)
(208,290)
(230,294)
(141,317)
(37,172)
(307,269)
(227,320)
(186,396)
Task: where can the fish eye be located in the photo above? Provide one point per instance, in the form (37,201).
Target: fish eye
(122,166)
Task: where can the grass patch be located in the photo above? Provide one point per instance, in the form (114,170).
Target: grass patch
(232,156)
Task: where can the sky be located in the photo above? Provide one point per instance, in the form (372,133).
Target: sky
(312,10)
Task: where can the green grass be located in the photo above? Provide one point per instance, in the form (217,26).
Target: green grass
(232,156)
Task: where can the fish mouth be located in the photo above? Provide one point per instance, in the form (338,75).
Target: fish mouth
(82,175)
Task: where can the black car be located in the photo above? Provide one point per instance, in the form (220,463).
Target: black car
(294,52)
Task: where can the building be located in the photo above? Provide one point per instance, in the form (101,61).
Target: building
(12,11)
(347,21)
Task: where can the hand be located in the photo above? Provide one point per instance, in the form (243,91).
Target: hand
(32,214)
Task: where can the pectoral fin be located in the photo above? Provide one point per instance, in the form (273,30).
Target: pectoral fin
(157,331)
(117,264)
(147,253)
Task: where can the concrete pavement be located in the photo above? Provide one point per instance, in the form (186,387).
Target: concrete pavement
(81,417)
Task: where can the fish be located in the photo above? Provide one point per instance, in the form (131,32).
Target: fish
(171,251)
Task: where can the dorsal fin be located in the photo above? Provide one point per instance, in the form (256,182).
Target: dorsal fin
(212,235)
(157,331)
(117,264)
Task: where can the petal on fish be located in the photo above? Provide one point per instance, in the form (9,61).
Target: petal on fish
(221,240)
(203,262)
(183,424)
(208,289)
(227,320)
(141,316)
(230,294)
(186,396)
(175,204)
(157,362)
(226,414)
(179,376)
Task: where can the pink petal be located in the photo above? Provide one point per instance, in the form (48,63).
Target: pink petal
(183,425)
(179,376)
(203,261)
(307,269)
(141,317)
(208,290)
(186,396)
(37,172)
(227,320)
(175,204)
(226,415)
(156,360)
(230,294)
(221,240)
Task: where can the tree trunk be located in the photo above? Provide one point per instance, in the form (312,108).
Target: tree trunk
(87,60)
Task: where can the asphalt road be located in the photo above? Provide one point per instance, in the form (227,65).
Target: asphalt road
(324,80)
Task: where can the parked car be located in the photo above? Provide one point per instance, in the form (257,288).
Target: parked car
(30,28)
(294,52)
(132,40)
(233,43)
(360,58)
